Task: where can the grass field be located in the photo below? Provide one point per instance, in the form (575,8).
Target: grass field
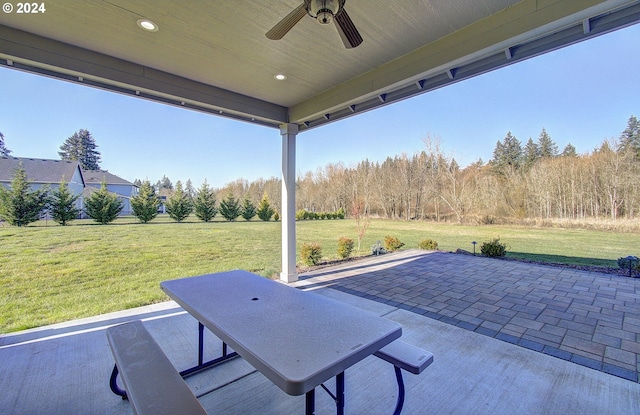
(50,273)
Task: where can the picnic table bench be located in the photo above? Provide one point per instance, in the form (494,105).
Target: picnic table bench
(404,356)
(152,384)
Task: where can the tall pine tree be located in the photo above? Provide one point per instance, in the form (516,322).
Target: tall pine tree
(179,205)
(62,204)
(569,151)
(205,203)
(530,154)
(4,151)
(81,146)
(547,147)
(507,154)
(189,190)
(146,203)
(630,137)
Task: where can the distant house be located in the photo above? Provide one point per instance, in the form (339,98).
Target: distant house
(41,172)
(123,188)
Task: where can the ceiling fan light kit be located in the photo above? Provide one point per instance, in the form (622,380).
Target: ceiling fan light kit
(325,12)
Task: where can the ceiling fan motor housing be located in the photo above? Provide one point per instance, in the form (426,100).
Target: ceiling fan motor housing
(324,10)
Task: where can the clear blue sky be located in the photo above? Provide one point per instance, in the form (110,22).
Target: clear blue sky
(582,94)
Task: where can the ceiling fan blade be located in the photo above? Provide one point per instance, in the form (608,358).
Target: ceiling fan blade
(280,29)
(347,30)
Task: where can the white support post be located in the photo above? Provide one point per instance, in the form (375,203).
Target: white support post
(288,133)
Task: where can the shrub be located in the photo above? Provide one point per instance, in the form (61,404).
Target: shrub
(629,263)
(345,247)
(248,209)
(19,205)
(493,248)
(230,207)
(145,204)
(304,214)
(179,206)
(104,206)
(391,243)
(205,203)
(428,244)
(63,204)
(265,212)
(377,249)
(276,216)
(311,253)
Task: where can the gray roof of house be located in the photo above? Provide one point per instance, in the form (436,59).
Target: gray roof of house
(38,170)
(97,176)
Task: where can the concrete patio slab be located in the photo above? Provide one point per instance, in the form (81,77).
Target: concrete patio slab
(64,369)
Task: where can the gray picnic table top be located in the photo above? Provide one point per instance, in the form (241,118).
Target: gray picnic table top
(297,339)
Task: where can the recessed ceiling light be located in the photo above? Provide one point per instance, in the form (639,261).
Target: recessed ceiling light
(147,25)
(280,77)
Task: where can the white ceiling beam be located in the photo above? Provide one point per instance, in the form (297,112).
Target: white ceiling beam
(70,62)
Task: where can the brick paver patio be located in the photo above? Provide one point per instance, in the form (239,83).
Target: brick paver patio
(588,318)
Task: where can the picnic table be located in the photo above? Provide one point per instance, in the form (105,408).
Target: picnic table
(297,339)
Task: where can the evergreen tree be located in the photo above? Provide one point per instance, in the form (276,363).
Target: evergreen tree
(179,205)
(248,210)
(507,153)
(630,137)
(189,190)
(205,203)
(146,203)
(530,154)
(81,146)
(4,151)
(103,206)
(19,205)
(230,208)
(264,209)
(569,151)
(63,204)
(547,147)
(164,183)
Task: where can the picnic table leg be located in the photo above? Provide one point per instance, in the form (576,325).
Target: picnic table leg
(400,401)
(201,363)
(113,384)
(338,398)
(340,394)
(310,402)
(200,343)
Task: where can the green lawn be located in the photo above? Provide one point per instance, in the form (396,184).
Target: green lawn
(50,273)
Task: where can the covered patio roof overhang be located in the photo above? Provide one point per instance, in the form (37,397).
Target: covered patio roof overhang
(214,57)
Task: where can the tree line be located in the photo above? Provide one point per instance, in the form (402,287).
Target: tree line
(531,181)
(20,204)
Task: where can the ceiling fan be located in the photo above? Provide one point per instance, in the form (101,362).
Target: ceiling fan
(324,11)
